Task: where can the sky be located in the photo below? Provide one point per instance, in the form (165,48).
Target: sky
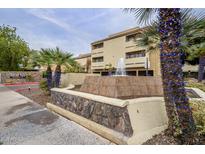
(73,30)
(70,29)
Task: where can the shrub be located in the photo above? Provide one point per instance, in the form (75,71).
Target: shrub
(44,74)
(198,109)
(43,86)
(29,78)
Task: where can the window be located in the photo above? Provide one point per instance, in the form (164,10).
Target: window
(133,37)
(130,37)
(143,73)
(135,54)
(131,73)
(97,59)
(96,46)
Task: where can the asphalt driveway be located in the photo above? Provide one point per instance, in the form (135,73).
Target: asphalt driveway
(23,121)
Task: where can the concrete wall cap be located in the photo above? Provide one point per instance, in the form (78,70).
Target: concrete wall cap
(102,99)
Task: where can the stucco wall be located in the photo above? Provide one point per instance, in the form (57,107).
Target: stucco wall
(138,119)
(116,48)
(74,78)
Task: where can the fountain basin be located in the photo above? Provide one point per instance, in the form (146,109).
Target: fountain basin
(123,87)
(123,121)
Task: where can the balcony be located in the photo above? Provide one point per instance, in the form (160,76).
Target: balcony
(98,65)
(136,62)
(97,51)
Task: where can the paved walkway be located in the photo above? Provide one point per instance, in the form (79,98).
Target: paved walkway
(25,122)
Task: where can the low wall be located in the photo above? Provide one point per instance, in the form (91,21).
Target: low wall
(123,87)
(19,76)
(73,78)
(136,119)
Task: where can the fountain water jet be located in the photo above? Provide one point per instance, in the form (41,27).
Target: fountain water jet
(120,68)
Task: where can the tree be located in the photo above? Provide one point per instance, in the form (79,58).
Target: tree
(192,39)
(60,58)
(74,67)
(196,47)
(176,101)
(46,59)
(32,61)
(13,49)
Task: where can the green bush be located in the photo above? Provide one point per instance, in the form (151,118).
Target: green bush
(44,74)
(198,109)
(43,86)
(29,78)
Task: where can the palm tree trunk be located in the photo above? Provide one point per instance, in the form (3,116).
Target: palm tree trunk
(176,102)
(201,68)
(57,75)
(49,77)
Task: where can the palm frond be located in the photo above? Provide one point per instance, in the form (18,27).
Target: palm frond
(143,15)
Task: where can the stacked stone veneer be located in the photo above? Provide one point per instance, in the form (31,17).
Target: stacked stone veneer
(123,87)
(19,76)
(110,116)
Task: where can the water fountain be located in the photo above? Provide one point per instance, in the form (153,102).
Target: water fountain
(122,108)
(120,68)
(122,86)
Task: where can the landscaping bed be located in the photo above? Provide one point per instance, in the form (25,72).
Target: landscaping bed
(198,109)
(31,91)
(37,96)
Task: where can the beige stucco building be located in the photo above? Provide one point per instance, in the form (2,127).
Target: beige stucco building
(105,54)
(85,61)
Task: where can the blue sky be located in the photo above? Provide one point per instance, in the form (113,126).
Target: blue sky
(71,29)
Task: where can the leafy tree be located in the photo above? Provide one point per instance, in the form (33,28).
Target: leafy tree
(13,49)
(32,60)
(169,27)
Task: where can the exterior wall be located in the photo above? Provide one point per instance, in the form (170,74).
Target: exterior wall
(136,119)
(116,48)
(123,87)
(19,76)
(113,117)
(73,78)
(84,62)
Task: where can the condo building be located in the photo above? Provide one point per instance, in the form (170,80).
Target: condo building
(138,61)
(85,62)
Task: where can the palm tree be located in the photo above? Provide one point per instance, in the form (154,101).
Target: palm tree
(195,51)
(176,101)
(196,47)
(192,39)
(45,59)
(60,58)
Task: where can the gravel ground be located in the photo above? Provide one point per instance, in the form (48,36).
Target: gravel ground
(164,139)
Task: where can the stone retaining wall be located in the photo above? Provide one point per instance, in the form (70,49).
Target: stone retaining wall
(110,116)
(19,76)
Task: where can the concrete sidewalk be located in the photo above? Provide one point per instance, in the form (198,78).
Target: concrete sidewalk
(23,121)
